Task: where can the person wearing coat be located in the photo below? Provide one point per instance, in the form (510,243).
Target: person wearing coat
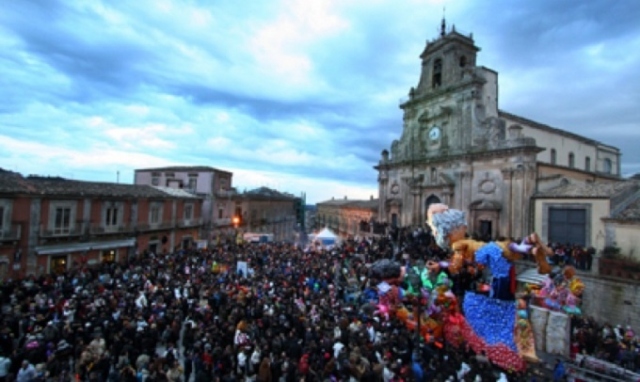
(264,371)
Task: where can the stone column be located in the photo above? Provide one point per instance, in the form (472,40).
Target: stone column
(529,189)
(383,180)
(518,203)
(466,201)
(506,223)
(415,211)
(465,191)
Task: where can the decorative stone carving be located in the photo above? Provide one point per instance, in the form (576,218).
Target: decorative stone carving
(487,186)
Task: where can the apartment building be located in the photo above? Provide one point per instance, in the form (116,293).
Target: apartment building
(264,210)
(213,185)
(49,224)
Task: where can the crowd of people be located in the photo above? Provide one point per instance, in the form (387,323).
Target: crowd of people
(289,314)
(579,256)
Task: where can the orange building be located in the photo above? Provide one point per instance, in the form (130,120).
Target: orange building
(48,224)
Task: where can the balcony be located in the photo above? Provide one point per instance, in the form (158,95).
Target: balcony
(163,226)
(222,193)
(48,231)
(101,229)
(11,232)
(222,222)
(189,223)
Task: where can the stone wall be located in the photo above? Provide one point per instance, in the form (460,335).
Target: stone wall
(607,299)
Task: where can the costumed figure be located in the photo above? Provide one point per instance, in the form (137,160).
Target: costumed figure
(575,287)
(562,293)
(390,295)
(524,336)
(489,320)
(241,338)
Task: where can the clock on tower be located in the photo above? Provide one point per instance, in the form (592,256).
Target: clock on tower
(434,133)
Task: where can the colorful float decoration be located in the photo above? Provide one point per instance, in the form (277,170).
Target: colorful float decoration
(562,293)
(494,322)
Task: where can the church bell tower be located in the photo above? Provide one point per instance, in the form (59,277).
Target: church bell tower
(446,60)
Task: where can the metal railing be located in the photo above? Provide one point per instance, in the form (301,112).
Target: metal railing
(189,223)
(52,231)
(141,227)
(225,193)
(102,229)
(222,222)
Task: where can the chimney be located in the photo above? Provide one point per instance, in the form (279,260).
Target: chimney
(345,197)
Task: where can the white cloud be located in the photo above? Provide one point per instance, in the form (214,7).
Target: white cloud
(297,94)
(32,157)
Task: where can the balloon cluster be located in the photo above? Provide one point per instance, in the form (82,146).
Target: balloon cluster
(491,255)
(457,329)
(492,319)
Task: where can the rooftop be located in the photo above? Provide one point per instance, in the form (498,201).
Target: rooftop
(183,169)
(630,213)
(177,192)
(14,183)
(351,203)
(266,192)
(569,189)
(537,125)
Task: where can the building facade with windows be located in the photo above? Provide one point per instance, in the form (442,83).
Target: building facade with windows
(595,214)
(458,147)
(48,224)
(265,210)
(349,218)
(212,184)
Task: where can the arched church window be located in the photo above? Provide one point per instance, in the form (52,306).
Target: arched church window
(572,160)
(463,61)
(436,79)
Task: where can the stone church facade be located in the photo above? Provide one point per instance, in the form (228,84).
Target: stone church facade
(457,147)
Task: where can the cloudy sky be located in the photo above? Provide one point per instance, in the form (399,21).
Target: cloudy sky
(298,95)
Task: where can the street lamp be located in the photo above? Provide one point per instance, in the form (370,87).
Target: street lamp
(236,221)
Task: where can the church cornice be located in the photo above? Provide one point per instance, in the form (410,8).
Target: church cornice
(468,156)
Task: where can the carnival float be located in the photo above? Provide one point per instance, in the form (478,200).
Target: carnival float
(494,317)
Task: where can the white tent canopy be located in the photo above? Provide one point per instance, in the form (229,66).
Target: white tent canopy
(326,237)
